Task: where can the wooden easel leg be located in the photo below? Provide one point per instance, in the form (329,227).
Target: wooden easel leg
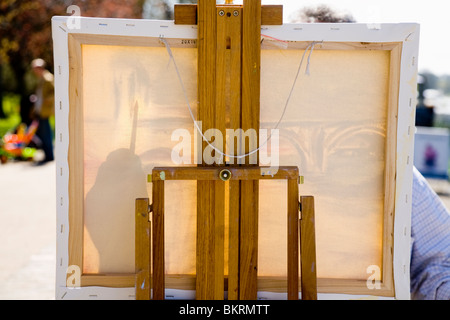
(219,238)
(293,238)
(250,105)
(248,273)
(308,249)
(210,240)
(233,244)
(208,275)
(158,240)
(203,243)
(142,249)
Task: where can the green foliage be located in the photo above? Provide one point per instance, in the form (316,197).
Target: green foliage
(11,108)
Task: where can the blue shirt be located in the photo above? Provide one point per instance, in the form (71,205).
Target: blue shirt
(430,232)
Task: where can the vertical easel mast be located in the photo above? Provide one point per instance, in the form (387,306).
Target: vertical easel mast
(249,189)
(229,84)
(210,194)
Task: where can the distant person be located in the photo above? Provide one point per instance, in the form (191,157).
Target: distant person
(424,113)
(430,157)
(44,106)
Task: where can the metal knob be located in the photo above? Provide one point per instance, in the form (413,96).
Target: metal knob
(225,175)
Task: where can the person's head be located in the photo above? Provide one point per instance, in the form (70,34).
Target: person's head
(38,66)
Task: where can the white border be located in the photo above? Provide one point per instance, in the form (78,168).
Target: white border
(407,33)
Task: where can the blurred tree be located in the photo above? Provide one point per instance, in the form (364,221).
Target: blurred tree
(2,112)
(25,32)
(432,80)
(321,13)
(17,18)
(161,9)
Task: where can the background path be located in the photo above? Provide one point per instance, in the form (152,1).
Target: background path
(27,231)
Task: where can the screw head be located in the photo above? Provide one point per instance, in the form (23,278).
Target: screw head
(225,175)
(221,13)
(235,13)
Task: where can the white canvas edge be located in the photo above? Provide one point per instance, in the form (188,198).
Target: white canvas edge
(407,33)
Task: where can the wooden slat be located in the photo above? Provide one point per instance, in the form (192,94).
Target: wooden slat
(271,15)
(390,173)
(187,14)
(231,62)
(212,173)
(205,240)
(233,243)
(112,280)
(219,239)
(251,69)
(134,41)
(203,204)
(308,249)
(330,45)
(250,103)
(158,240)
(210,241)
(293,239)
(228,30)
(270,284)
(76,154)
(277,284)
(228,70)
(142,249)
(234,109)
(207,42)
(248,261)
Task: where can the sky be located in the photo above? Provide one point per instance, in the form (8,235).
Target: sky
(432,15)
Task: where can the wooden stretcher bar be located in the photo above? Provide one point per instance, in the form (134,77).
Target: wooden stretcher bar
(213,173)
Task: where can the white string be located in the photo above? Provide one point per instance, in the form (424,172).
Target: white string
(309,47)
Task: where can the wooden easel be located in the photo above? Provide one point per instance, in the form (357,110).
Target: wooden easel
(228,92)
